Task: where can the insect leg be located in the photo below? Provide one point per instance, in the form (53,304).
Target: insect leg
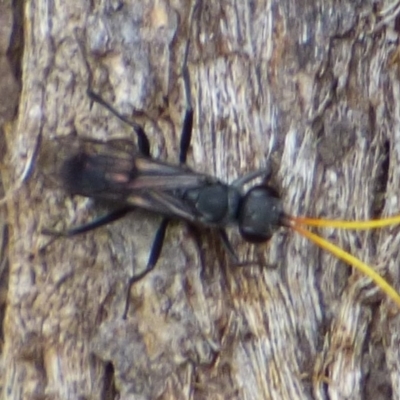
(240,182)
(228,246)
(143,141)
(186,136)
(155,252)
(103,220)
(187,126)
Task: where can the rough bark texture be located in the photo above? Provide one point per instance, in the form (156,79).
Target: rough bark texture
(311,87)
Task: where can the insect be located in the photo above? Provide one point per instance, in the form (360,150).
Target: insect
(114,171)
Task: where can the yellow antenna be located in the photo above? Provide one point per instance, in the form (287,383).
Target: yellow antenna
(296,222)
(334,223)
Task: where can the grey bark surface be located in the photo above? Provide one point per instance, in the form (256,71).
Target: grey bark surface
(311,88)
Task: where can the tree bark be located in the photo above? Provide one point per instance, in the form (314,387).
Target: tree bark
(310,88)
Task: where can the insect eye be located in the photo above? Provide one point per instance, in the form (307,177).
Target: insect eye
(260,214)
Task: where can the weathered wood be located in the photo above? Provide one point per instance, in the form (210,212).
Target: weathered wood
(310,87)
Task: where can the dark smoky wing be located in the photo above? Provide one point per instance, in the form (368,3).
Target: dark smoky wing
(157,175)
(135,173)
(164,203)
(180,181)
(88,167)
(115,176)
(55,152)
(99,175)
(111,170)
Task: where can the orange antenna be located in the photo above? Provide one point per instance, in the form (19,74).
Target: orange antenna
(334,223)
(296,222)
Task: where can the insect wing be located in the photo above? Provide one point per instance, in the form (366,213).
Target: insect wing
(155,175)
(113,170)
(164,203)
(56,154)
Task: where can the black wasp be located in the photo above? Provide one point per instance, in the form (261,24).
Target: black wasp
(114,171)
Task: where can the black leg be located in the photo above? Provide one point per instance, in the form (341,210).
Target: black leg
(186,136)
(229,249)
(228,246)
(143,141)
(265,173)
(187,127)
(97,223)
(155,252)
(144,147)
